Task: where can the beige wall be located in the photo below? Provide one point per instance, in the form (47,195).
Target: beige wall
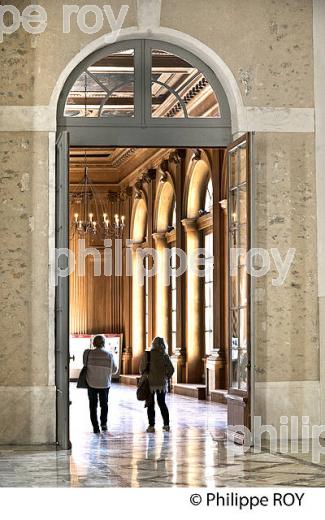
(26,359)
(267,44)
(24,258)
(286,316)
(31,64)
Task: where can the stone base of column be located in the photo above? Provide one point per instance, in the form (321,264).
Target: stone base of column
(135,364)
(178,361)
(127,361)
(214,372)
(194,372)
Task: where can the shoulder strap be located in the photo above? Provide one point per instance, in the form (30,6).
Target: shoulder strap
(87,356)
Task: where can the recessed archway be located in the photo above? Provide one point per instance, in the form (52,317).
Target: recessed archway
(208,56)
(199,176)
(174,133)
(165,201)
(139,221)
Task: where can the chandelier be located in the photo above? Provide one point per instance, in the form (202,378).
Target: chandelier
(92,210)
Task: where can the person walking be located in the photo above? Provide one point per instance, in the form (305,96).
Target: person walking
(160,371)
(100,367)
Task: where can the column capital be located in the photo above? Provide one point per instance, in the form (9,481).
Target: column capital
(190,224)
(136,245)
(160,238)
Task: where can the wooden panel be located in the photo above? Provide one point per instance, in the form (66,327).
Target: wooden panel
(97,303)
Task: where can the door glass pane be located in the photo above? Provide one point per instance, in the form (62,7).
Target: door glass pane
(234,329)
(179,89)
(242,165)
(105,89)
(243,204)
(233,169)
(243,244)
(243,360)
(233,207)
(243,328)
(238,277)
(234,368)
(233,239)
(234,289)
(242,286)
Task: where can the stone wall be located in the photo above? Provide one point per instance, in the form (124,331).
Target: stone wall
(286,316)
(25,380)
(267,44)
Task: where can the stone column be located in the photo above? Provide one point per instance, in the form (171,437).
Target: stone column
(162,307)
(216,362)
(194,332)
(138,309)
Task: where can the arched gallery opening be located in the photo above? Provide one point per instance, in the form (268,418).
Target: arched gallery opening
(147,176)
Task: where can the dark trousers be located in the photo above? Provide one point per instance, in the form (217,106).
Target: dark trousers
(93,394)
(162,405)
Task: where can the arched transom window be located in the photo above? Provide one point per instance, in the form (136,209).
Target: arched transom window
(144,82)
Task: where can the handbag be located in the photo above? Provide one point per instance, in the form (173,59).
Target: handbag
(143,390)
(82,379)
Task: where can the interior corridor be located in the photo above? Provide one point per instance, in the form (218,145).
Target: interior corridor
(191,455)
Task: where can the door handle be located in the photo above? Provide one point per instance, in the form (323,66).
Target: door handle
(72,357)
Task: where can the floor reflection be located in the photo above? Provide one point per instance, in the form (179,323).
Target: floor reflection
(128,456)
(193,454)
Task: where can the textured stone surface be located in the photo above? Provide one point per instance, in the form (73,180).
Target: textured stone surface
(24,259)
(267,44)
(28,415)
(31,64)
(288,399)
(286,316)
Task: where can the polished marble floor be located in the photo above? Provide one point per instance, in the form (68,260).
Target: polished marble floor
(193,454)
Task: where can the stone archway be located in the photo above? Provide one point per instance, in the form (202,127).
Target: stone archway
(228,83)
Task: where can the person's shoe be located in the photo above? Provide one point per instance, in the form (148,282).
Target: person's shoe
(96,430)
(150,429)
(104,427)
(166,428)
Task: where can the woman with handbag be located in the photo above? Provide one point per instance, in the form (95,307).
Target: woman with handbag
(159,369)
(99,366)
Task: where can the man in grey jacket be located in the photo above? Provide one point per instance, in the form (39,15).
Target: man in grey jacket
(100,367)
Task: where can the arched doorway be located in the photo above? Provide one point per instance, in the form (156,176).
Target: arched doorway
(139,93)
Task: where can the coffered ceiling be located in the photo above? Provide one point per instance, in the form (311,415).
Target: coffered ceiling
(111,167)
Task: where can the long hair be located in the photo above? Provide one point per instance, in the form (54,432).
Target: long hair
(159,344)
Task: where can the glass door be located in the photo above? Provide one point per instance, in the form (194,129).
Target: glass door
(238,204)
